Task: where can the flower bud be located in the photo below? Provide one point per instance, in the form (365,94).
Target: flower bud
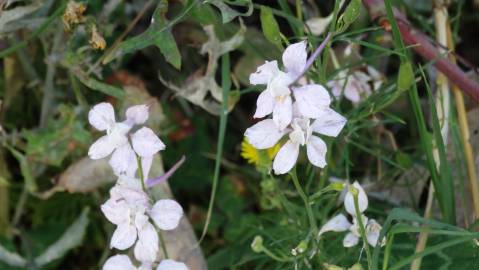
(257,244)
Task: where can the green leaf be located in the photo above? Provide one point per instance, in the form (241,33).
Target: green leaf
(158,34)
(405,77)
(227,13)
(270,26)
(70,239)
(100,86)
(352,12)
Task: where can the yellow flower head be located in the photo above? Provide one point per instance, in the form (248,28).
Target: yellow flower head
(255,156)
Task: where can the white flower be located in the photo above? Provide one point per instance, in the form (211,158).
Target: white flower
(357,85)
(276,99)
(166,214)
(169,264)
(318,25)
(123,160)
(119,262)
(338,223)
(362,200)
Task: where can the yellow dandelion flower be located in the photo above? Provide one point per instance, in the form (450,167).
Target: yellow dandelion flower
(255,156)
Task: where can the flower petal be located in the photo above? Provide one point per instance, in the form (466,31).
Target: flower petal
(146,166)
(146,143)
(350,240)
(338,223)
(294,58)
(101,148)
(166,214)
(137,114)
(264,134)
(123,161)
(264,73)
(316,150)
(101,116)
(124,236)
(318,25)
(119,262)
(362,200)
(312,99)
(286,157)
(169,264)
(264,104)
(372,232)
(147,246)
(330,123)
(283,112)
(115,211)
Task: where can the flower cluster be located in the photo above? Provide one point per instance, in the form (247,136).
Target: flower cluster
(129,207)
(297,111)
(340,223)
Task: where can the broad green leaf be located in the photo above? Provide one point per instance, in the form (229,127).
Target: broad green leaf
(227,13)
(270,26)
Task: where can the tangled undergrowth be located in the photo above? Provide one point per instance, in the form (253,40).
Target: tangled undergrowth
(238,134)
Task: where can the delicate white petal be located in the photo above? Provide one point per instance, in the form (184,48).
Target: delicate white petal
(146,166)
(372,232)
(350,240)
(338,223)
(319,25)
(166,214)
(362,200)
(264,134)
(283,112)
(123,161)
(351,92)
(101,116)
(264,104)
(330,123)
(101,148)
(264,73)
(294,58)
(316,150)
(146,143)
(147,246)
(118,262)
(137,114)
(145,266)
(312,99)
(169,264)
(286,157)
(116,211)
(124,236)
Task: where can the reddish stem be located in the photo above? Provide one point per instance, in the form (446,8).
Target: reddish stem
(422,45)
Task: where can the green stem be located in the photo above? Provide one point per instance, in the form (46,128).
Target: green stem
(362,230)
(140,172)
(276,257)
(309,210)
(162,241)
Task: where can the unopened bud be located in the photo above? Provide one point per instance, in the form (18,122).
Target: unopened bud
(257,244)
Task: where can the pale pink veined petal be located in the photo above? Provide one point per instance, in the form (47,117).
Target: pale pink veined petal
(147,246)
(330,123)
(286,157)
(312,99)
(137,114)
(338,223)
(264,104)
(283,112)
(362,200)
(166,214)
(124,236)
(350,240)
(264,73)
(146,166)
(351,91)
(116,212)
(119,262)
(101,116)
(294,58)
(264,134)
(123,161)
(169,264)
(146,143)
(101,148)
(316,150)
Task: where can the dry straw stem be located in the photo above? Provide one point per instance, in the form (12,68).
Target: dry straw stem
(443,110)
